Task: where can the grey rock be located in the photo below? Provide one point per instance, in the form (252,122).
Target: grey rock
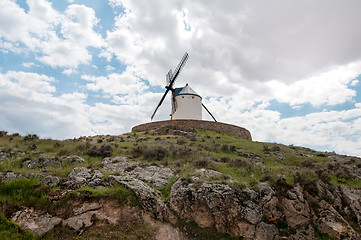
(3,155)
(51,162)
(352,197)
(159,176)
(32,163)
(304,232)
(329,221)
(80,221)
(83,216)
(50,181)
(202,172)
(81,172)
(72,159)
(218,205)
(81,176)
(265,231)
(296,209)
(147,196)
(9,176)
(117,164)
(39,224)
(96,179)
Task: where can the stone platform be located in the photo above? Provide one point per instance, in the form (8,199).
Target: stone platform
(200,124)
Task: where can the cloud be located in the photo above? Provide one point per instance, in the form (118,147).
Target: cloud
(127,83)
(69,71)
(328,88)
(30,107)
(58,39)
(236,45)
(29,64)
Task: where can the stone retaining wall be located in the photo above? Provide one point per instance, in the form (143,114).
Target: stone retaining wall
(206,125)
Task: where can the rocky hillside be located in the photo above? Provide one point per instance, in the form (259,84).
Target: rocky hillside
(175,183)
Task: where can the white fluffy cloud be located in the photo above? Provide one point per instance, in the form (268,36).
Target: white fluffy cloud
(58,39)
(29,106)
(328,88)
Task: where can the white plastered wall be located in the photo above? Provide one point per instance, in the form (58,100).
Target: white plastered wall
(189,107)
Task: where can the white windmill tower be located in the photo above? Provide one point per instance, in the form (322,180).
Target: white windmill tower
(186,103)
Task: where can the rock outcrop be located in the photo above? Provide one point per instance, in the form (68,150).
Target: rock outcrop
(265,212)
(34,221)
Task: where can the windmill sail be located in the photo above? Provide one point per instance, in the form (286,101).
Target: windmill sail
(170,78)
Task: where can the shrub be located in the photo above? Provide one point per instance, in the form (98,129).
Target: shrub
(226,148)
(157,153)
(181,141)
(225,159)
(57,144)
(31,137)
(240,163)
(308,163)
(103,151)
(3,133)
(201,163)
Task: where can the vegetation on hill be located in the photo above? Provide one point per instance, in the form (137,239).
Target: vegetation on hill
(242,164)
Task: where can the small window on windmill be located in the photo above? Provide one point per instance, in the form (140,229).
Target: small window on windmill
(192,97)
(182,96)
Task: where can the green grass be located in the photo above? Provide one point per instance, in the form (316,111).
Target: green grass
(10,231)
(353,183)
(121,193)
(166,190)
(23,192)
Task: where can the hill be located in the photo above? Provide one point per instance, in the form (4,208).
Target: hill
(175,183)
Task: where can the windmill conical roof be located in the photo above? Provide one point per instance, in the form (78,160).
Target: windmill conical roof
(186,90)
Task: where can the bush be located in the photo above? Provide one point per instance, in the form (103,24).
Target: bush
(157,153)
(226,148)
(308,163)
(240,163)
(31,137)
(201,163)
(103,151)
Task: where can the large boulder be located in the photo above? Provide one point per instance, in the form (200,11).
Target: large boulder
(81,176)
(296,208)
(118,164)
(218,205)
(50,180)
(34,221)
(352,198)
(157,175)
(329,221)
(72,159)
(149,199)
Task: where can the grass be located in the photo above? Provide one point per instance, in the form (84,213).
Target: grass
(23,192)
(10,231)
(166,190)
(123,194)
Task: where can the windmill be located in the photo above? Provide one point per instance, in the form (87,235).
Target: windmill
(186,103)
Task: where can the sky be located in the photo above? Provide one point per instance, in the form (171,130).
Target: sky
(288,71)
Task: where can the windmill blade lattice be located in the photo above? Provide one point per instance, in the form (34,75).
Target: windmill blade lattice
(170,78)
